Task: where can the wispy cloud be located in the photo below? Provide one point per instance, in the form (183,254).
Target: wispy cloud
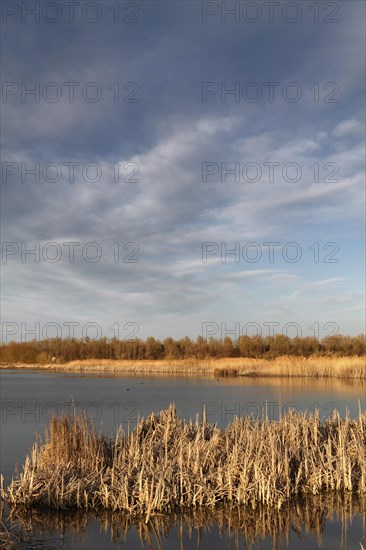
(168,134)
(316,286)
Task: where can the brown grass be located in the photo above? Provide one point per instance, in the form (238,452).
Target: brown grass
(319,367)
(167,464)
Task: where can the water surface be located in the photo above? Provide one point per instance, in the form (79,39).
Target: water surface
(29,398)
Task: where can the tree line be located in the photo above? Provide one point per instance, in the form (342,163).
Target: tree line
(258,347)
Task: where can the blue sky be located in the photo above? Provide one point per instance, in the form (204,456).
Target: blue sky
(176,139)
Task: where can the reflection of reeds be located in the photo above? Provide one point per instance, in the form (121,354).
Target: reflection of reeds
(308,515)
(167,464)
(225,372)
(9,538)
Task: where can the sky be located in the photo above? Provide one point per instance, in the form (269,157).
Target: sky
(182,168)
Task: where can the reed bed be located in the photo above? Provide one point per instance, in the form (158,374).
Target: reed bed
(304,516)
(285,366)
(167,464)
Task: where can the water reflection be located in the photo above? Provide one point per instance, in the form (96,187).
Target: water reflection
(26,399)
(323,520)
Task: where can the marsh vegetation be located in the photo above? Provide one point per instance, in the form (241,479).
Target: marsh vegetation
(251,347)
(170,465)
(283,366)
(338,356)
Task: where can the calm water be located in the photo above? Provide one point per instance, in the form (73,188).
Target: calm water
(29,398)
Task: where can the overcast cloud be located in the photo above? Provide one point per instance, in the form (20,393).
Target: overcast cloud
(179,242)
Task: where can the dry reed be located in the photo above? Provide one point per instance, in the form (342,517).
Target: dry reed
(167,464)
(286,366)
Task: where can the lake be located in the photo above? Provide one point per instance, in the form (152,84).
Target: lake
(29,398)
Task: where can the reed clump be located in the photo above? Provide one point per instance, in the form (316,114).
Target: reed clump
(167,464)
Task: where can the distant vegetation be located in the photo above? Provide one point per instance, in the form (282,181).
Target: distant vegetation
(254,347)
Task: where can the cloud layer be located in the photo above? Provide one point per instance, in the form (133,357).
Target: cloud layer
(240,210)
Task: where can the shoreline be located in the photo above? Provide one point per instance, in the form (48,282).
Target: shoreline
(286,366)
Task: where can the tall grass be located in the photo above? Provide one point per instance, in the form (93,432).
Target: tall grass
(318,367)
(167,464)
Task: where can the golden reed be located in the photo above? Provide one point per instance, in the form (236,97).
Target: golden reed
(286,366)
(166,464)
